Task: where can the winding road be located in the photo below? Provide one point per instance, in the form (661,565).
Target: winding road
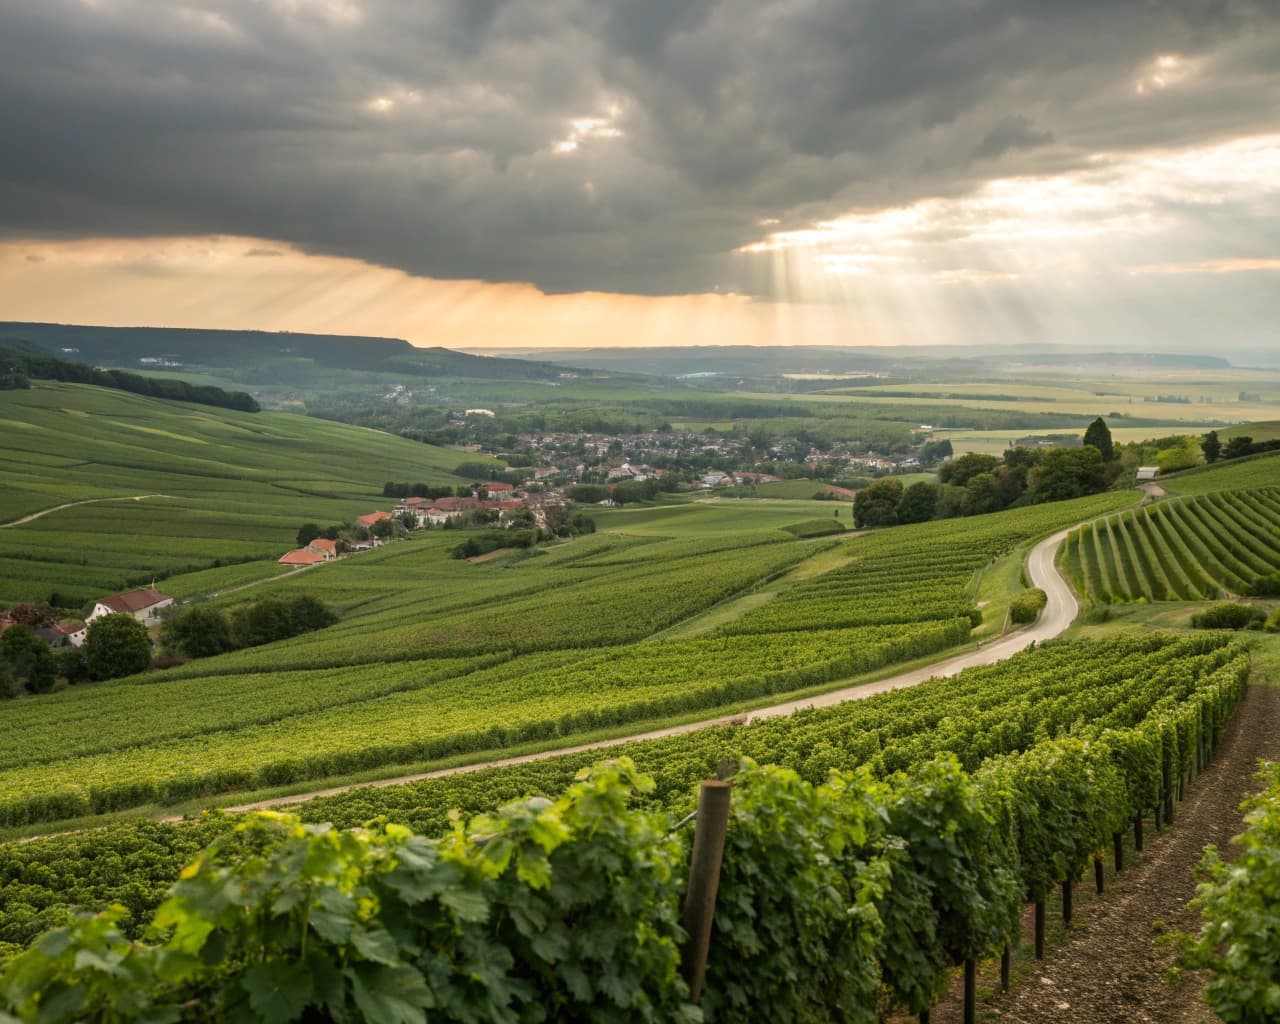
(1059,612)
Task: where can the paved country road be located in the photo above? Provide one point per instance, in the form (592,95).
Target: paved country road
(1057,615)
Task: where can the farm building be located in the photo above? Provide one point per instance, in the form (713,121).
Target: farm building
(303,556)
(373,517)
(145,605)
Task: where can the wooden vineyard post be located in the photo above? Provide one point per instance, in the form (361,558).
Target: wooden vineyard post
(1137,831)
(1005,963)
(1066,901)
(1098,880)
(704,882)
(1117,849)
(1040,929)
(970,992)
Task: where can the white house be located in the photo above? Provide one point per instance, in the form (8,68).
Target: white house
(144,605)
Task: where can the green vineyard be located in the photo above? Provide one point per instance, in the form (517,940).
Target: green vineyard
(1191,549)
(1072,743)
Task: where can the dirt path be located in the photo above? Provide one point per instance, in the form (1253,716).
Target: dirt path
(1056,617)
(73,504)
(258,583)
(1111,969)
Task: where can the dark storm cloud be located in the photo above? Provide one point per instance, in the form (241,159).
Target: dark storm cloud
(424,136)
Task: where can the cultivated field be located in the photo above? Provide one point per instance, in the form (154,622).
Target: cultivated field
(174,487)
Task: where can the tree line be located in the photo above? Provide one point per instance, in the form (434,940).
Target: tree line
(17,366)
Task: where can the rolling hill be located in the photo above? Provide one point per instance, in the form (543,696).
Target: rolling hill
(208,487)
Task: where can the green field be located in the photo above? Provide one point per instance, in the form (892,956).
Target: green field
(174,488)
(436,657)
(1189,549)
(1252,471)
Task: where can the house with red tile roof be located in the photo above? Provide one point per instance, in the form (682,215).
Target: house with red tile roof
(303,556)
(493,487)
(325,547)
(372,517)
(145,605)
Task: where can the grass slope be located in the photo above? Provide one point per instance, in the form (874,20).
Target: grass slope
(220,486)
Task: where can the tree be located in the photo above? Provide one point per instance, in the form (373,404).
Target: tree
(1183,455)
(28,658)
(1211,446)
(198,632)
(919,503)
(1062,473)
(71,664)
(8,685)
(1238,447)
(960,471)
(877,505)
(1099,436)
(307,613)
(117,645)
(933,452)
(307,532)
(982,495)
(384,529)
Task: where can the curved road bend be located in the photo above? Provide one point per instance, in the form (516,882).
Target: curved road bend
(1058,614)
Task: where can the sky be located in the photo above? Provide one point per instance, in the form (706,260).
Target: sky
(557,173)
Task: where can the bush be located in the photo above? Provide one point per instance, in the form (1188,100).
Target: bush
(1272,625)
(117,645)
(1266,586)
(1229,615)
(1027,606)
(28,658)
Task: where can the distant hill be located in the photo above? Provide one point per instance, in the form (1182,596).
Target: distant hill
(170,348)
(766,361)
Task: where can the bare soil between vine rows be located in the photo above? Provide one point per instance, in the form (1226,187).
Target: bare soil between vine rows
(1110,967)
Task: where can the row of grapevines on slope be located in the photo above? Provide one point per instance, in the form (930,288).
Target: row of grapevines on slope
(535,697)
(1056,691)
(1186,549)
(830,896)
(910,573)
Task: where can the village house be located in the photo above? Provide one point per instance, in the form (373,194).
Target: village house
(325,547)
(373,517)
(144,605)
(302,556)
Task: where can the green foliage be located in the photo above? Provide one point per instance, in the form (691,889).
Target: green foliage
(958,472)
(28,658)
(527,914)
(1211,446)
(919,503)
(1062,473)
(197,632)
(796,927)
(877,505)
(1191,549)
(567,908)
(1229,615)
(1237,902)
(1184,455)
(43,367)
(815,528)
(1098,435)
(1027,606)
(116,645)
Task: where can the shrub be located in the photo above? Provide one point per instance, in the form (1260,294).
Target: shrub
(1027,606)
(1229,615)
